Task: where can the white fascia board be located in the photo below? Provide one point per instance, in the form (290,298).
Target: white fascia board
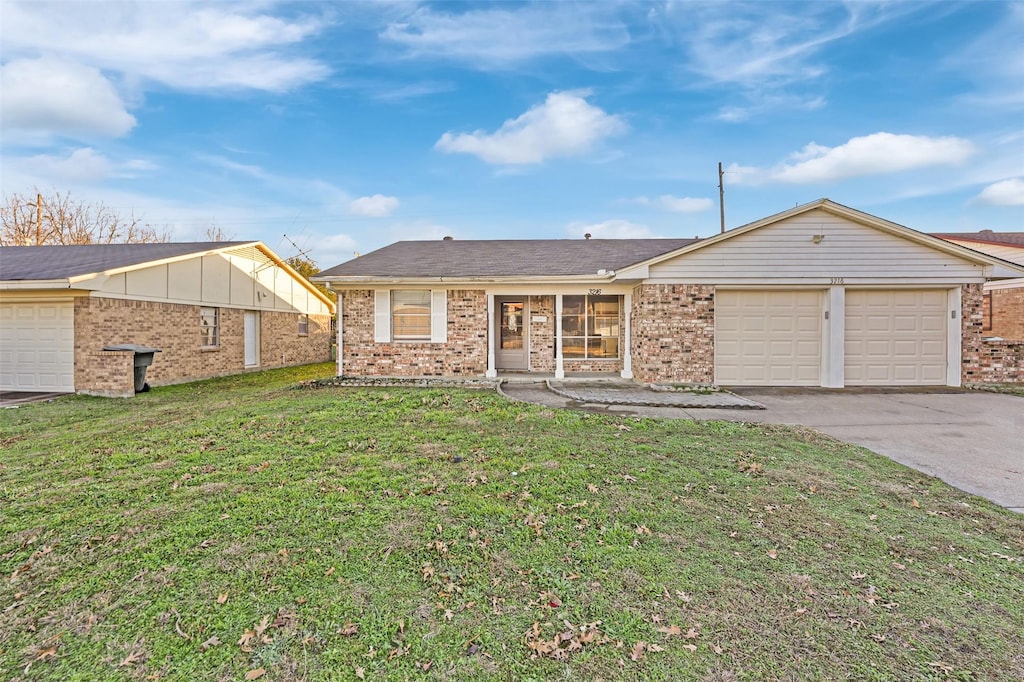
(15,285)
(356,282)
(1005,284)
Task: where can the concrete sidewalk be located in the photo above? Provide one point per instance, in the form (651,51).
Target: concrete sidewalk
(970,439)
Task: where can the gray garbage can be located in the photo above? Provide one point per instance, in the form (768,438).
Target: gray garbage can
(143,359)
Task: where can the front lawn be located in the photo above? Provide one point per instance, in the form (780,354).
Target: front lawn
(242,528)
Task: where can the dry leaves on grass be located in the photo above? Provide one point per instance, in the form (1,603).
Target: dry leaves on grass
(561,645)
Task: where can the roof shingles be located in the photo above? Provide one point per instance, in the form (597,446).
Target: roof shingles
(502,258)
(62,262)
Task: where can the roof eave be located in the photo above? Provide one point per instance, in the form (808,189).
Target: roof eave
(510,279)
(21,284)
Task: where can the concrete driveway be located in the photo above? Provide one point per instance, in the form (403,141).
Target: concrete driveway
(969,439)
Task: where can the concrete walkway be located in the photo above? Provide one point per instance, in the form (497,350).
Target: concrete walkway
(970,439)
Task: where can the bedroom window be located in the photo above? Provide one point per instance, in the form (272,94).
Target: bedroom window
(209,327)
(410,315)
(590,327)
(303,325)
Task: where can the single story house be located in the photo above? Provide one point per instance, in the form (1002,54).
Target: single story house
(819,295)
(212,308)
(1003,300)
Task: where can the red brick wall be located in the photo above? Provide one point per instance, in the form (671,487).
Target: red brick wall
(674,333)
(465,354)
(1007,313)
(174,329)
(542,334)
(986,362)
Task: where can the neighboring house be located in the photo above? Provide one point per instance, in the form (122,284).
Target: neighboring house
(1003,300)
(820,295)
(211,308)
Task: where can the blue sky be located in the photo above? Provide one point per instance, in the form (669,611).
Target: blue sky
(347,126)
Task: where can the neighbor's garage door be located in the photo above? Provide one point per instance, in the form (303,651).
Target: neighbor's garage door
(37,347)
(895,337)
(768,338)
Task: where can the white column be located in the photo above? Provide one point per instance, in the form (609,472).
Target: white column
(627,338)
(954,337)
(559,365)
(340,349)
(833,338)
(492,372)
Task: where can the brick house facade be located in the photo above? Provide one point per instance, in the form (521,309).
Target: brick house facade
(210,308)
(831,314)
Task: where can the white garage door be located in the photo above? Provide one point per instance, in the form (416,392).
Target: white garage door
(768,338)
(37,347)
(895,338)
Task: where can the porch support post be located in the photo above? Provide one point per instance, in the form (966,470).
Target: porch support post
(492,372)
(627,338)
(834,333)
(559,365)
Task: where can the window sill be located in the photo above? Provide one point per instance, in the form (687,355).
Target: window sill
(209,349)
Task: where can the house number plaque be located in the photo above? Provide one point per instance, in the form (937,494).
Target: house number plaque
(594,292)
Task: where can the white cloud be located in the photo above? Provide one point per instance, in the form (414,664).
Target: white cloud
(502,36)
(1004,193)
(185,45)
(52,95)
(564,125)
(376,206)
(84,166)
(875,154)
(679,204)
(610,229)
(333,249)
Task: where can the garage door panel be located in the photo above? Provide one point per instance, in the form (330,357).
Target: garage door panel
(38,347)
(895,337)
(768,338)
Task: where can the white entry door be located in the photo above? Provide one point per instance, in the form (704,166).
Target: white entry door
(252,338)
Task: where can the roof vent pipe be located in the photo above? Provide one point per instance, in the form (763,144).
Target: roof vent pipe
(586,236)
(447,238)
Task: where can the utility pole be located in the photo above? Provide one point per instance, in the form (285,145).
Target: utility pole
(721,195)
(39,218)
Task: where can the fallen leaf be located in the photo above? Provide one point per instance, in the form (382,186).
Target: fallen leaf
(772,554)
(349,629)
(131,659)
(221,598)
(690,647)
(638,651)
(692,634)
(671,630)
(255,674)
(48,652)
(360,673)
(717,649)
(209,644)
(915,504)
(592,488)
(329,571)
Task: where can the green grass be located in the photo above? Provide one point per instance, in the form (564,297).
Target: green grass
(1009,389)
(207,530)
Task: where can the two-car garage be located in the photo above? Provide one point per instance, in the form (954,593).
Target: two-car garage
(781,337)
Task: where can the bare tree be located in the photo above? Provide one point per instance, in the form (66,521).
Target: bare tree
(56,218)
(214,233)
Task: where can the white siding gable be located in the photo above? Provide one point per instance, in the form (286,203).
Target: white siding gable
(816,247)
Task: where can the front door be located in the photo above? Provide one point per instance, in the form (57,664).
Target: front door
(252,338)
(512,345)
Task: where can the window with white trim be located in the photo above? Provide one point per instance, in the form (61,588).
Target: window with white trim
(590,327)
(410,315)
(303,325)
(209,327)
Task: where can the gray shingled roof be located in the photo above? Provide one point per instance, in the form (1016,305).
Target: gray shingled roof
(62,262)
(503,258)
(985,236)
